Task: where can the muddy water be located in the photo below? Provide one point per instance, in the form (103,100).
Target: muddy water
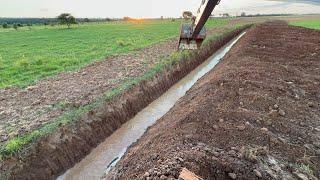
(109,152)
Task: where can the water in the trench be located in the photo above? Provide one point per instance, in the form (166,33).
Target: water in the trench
(107,154)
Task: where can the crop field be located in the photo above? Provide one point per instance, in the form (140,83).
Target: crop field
(314,24)
(29,54)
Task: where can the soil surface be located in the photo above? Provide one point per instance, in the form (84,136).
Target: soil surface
(255,116)
(24,110)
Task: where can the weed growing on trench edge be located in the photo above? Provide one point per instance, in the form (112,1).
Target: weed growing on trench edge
(305,168)
(16,145)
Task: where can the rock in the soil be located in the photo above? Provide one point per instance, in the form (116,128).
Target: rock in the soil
(147,174)
(232,175)
(232,153)
(180,159)
(273,113)
(264,130)
(276,106)
(300,176)
(31,88)
(216,154)
(282,113)
(163,177)
(37,102)
(269,122)
(310,104)
(3,138)
(257,173)
(241,128)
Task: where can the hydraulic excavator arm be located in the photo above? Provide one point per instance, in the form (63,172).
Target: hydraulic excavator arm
(192,35)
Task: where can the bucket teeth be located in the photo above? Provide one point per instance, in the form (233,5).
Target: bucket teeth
(187,42)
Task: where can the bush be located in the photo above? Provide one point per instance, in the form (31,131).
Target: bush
(15,26)
(5,26)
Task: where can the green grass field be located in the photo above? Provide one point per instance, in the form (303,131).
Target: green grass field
(308,24)
(28,55)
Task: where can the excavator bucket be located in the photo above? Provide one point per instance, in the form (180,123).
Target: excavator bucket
(192,35)
(187,42)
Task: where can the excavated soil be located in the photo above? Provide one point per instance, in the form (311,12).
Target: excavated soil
(255,116)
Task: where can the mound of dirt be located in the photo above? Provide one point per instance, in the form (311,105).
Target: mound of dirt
(256,115)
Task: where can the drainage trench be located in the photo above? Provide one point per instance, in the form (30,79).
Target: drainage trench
(109,152)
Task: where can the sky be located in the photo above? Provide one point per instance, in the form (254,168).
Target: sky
(149,8)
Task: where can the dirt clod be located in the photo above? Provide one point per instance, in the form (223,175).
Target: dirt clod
(282,113)
(257,173)
(232,175)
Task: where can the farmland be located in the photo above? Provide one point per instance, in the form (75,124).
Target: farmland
(27,55)
(314,24)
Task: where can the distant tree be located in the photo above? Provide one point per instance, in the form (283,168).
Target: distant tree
(187,14)
(46,23)
(5,26)
(243,14)
(86,20)
(15,26)
(126,18)
(20,25)
(67,19)
(225,15)
(108,19)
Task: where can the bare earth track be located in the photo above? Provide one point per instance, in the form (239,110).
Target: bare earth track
(256,115)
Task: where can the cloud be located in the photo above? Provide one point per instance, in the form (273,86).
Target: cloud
(316,2)
(148,8)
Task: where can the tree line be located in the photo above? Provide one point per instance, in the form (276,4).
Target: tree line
(63,19)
